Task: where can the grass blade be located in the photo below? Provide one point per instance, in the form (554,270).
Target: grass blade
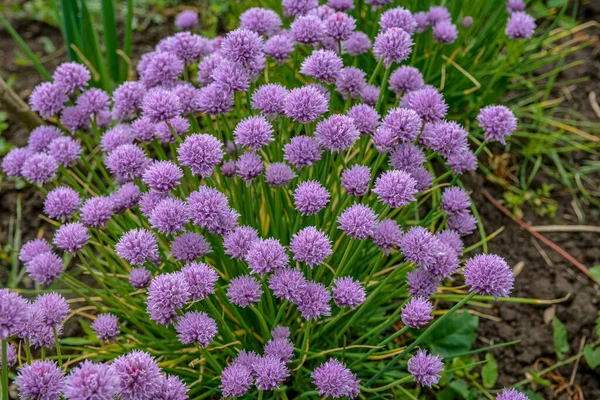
(127,41)
(110,38)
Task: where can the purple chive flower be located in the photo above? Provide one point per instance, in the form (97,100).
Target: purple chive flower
(351,82)
(214,101)
(270,100)
(200,152)
(45,268)
(253,132)
(358,221)
(321,89)
(249,166)
(263,21)
(94,102)
(39,168)
(91,381)
(279,47)
(65,151)
(201,279)
(161,105)
(186,19)
(445,32)
(406,79)
(150,199)
(53,309)
(137,246)
(127,99)
(339,26)
(143,129)
(323,65)
(236,380)
(455,201)
(302,151)
(332,378)
(171,388)
(419,246)
(395,188)
(422,176)
(417,312)
(323,11)
(520,26)
(426,102)
(384,139)
(279,174)
(452,239)
(498,122)
(356,180)
(280,332)
(376,4)
(467,22)
(464,224)
(365,118)
(515,6)
(34,330)
(228,169)
(139,375)
(71,76)
(288,284)
(11,356)
(298,7)
(40,380)
(208,207)
(387,235)
(438,14)
(162,176)
(163,69)
(244,291)
(310,246)
(196,327)
(231,77)
(127,196)
(489,274)
(71,237)
(421,283)
(392,45)
(314,301)
(425,368)
(511,394)
(189,246)
(188,47)
(61,202)
(337,133)
(422,22)
(270,372)
(462,160)
(369,95)
(242,46)
(348,292)
(117,136)
(266,255)
(34,248)
(341,5)
(237,243)
(308,29)
(188,96)
(166,294)
(127,162)
(169,216)
(310,197)
(41,137)
(398,18)
(140,278)
(407,156)
(13,313)
(305,104)
(179,124)
(282,349)
(357,43)
(405,124)
(47,99)
(206,68)
(106,327)
(14,160)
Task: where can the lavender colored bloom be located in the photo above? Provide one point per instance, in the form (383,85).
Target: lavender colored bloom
(387,235)
(236,380)
(356,180)
(445,32)
(395,188)
(169,216)
(139,375)
(378,3)
(201,279)
(231,77)
(137,246)
(53,309)
(35,331)
(61,202)
(228,169)
(161,105)
(305,104)
(39,168)
(41,137)
(498,122)
(186,19)
(421,283)
(282,349)
(392,45)
(106,327)
(426,102)
(489,274)
(422,176)
(417,312)
(452,239)
(406,79)
(437,14)
(143,129)
(200,152)
(365,117)
(208,207)
(351,82)
(288,284)
(189,246)
(214,101)
(171,388)
(455,201)
(308,29)
(93,102)
(65,150)
(45,268)
(357,43)
(339,26)
(196,327)
(266,255)
(341,5)
(127,196)
(384,139)
(253,132)
(323,65)
(47,99)
(162,176)
(425,368)
(242,46)
(263,21)
(332,378)
(279,47)
(188,96)
(314,301)
(244,291)
(13,312)
(515,6)
(206,68)
(11,356)
(422,22)
(127,162)
(140,278)
(302,151)
(237,243)
(511,394)
(166,294)
(150,199)
(270,99)
(33,248)
(298,7)
(398,18)
(40,380)
(467,22)
(163,69)
(419,246)
(464,224)
(446,261)
(407,156)
(117,136)
(462,160)
(520,26)
(280,332)
(348,292)
(310,246)
(310,197)
(71,237)
(249,166)
(14,160)
(358,221)
(270,372)
(279,174)
(71,76)
(179,124)
(405,124)
(91,381)
(337,133)
(188,47)
(127,99)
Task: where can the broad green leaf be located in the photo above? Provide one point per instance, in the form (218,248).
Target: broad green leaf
(592,356)
(595,271)
(456,335)
(538,379)
(76,341)
(461,388)
(489,372)
(533,396)
(561,343)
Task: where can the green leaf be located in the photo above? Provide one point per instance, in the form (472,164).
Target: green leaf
(489,372)
(533,396)
(75,341)
(595,271)
(456,335)
(561,343)
(592,357)
(538,379)
(461,388)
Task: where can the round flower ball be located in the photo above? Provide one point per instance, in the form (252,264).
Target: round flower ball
(489,274)
(425,368)
(417,312)
(310,246)
(71,237)
(61,202)
(310,197)
(106,327)
(40,380)
(395,188)
(334,379)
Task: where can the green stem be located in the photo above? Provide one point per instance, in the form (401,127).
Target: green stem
(57,344)
(5,370)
